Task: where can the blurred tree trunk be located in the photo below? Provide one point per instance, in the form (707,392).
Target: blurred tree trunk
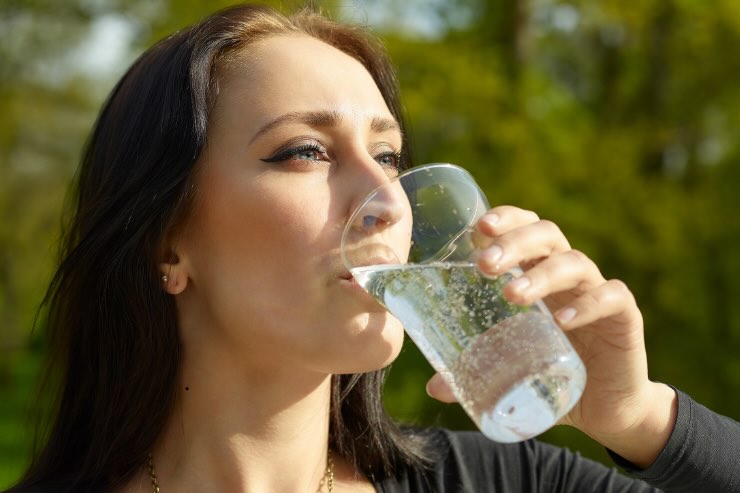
(503,25)
(652,98)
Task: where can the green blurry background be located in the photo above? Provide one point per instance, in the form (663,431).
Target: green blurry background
(617,120)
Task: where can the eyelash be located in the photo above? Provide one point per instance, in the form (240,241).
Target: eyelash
(398,163)
(292,152)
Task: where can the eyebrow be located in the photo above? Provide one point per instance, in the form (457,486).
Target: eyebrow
(323,119)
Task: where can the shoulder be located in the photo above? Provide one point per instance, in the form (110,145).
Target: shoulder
(471,449)
(461,461)
(463,450)
(466,461)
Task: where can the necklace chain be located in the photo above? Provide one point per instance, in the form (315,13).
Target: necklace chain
(328,475)
(152,474)
(329,472)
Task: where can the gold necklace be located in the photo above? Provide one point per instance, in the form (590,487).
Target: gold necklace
(152,474)
(328,475)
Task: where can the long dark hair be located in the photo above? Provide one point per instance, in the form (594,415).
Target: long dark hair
(114,348)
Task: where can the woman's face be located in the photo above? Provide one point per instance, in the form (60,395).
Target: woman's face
(298,136)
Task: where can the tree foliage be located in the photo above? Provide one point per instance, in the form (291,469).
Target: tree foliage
(617,121)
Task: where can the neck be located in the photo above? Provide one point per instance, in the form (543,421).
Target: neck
(243,430)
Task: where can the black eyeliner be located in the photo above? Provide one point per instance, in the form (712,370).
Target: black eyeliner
(284,154)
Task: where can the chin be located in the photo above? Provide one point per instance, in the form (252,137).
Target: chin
(377,343)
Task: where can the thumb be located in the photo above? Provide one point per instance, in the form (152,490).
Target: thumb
(438,389)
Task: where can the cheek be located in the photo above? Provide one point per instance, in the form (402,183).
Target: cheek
(257,244)
(263,235)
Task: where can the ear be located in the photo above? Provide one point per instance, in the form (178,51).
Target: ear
(173,274)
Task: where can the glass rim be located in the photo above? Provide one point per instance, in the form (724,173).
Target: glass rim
(403,174)
(411,171)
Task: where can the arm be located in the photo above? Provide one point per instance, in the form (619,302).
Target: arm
(620,407)
(702,454)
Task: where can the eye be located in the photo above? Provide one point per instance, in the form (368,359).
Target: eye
(390,160)
(312,151)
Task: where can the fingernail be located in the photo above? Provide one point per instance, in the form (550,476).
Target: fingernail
(427,389)
(566,315)
(520,283)
(491,219)
(492,254)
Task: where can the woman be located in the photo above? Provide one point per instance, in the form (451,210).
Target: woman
(207,337)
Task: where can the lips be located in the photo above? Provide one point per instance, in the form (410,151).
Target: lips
(347,276)
(370,254)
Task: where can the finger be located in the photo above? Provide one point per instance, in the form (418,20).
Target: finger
(530,242)
(504,218)
(438,389)
(498,221)
(612,299)
(569,270)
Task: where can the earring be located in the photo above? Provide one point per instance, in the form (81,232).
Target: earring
(165,279)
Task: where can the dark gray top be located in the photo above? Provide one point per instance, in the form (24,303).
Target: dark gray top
(702,455)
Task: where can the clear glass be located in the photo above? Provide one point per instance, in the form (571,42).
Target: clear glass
(410,244)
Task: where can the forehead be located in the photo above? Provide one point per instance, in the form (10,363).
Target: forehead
(293,73)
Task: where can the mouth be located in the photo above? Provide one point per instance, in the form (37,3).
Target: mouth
(347,276)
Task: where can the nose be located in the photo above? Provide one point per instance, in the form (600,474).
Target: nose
(385,207)
(379,202)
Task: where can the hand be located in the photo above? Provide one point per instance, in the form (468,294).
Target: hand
(620,406)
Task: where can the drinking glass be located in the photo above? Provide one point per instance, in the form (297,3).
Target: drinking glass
(411,245)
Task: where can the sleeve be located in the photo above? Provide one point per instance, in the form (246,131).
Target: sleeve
(470,463)
(702,454)
(562,470)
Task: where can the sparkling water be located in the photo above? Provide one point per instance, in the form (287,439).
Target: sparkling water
(510,367)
